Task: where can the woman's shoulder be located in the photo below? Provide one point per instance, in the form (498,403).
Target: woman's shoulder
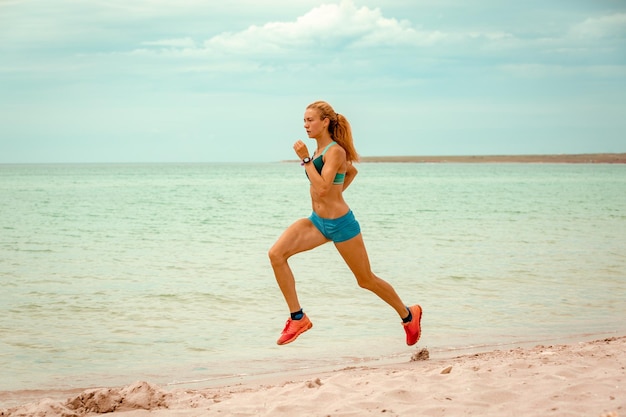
(336,149)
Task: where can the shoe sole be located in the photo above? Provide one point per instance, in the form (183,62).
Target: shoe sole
(302,330)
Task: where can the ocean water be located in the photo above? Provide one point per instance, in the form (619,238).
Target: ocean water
(117,273)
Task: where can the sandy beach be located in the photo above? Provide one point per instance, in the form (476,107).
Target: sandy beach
(576,379)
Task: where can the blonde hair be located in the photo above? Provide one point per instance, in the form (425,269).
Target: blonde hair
(339,128)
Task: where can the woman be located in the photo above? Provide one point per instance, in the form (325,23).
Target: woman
(330,172)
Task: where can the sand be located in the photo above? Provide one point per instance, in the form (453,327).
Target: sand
(578,379)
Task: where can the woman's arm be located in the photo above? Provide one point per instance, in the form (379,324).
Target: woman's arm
(333,161)
(333,158)
(350,174)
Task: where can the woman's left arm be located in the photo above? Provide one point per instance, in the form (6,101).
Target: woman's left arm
(321,183)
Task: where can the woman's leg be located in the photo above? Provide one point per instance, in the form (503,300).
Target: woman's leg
(299,237)
(354,253)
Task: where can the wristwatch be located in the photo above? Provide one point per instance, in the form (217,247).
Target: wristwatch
(306,160)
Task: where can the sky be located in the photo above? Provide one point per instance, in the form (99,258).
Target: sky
(228,81)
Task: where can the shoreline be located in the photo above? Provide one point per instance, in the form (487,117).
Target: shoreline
(584,158)
(575,378)
(596,158)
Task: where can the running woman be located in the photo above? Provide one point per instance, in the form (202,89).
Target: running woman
(330,171)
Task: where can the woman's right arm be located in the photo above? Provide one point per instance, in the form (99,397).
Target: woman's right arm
(351,172)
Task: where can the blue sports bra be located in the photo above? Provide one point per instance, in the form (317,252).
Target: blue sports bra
(319,164)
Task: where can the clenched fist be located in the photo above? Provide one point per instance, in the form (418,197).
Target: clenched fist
(301,150)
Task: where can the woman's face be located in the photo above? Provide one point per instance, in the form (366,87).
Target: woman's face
(314,125)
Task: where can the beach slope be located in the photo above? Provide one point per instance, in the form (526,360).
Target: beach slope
(580,379)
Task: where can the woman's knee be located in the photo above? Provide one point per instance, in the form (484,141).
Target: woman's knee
(277,257)
(368,282)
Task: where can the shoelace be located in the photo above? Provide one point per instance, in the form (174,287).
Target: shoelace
(289,321)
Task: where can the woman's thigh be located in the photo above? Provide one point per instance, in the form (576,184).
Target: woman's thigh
(354,254)
(301,236)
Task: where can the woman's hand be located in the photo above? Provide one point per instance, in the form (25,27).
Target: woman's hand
(301,150)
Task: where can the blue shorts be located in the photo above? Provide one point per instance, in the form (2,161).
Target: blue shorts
(338,230)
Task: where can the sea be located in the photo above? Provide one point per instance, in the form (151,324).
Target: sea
(114,273)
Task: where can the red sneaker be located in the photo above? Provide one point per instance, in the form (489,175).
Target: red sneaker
(413,328)
(293,329)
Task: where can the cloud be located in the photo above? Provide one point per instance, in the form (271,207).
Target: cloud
(327,26)
(173,43)
(609,26)
(345,30)
(561,71)
(344,46)
(342,26)
(336,27)
(333,39)
(331,36)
